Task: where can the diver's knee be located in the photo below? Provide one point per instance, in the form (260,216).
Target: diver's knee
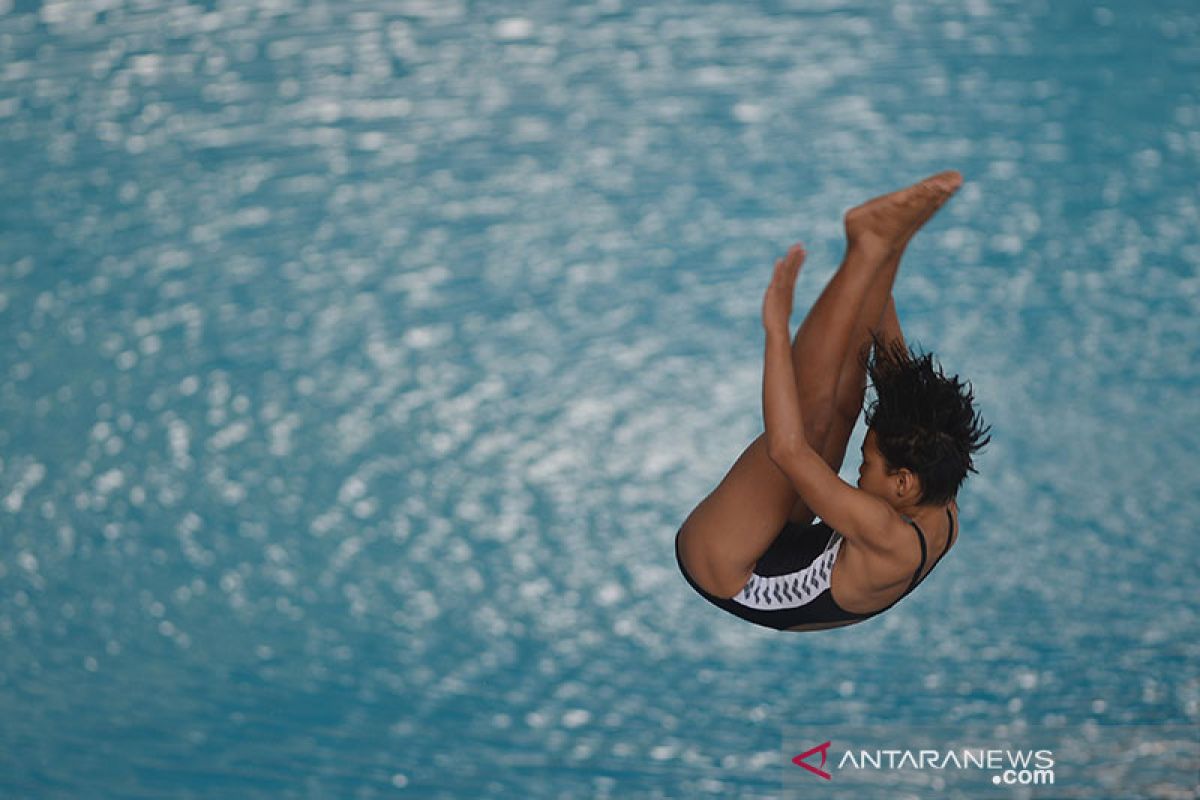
(707,570)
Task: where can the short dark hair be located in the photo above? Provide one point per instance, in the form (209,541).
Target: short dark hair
(923,420)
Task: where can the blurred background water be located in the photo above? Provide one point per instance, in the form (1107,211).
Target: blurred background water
(360,360)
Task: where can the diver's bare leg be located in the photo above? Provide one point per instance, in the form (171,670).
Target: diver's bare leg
(852,387)
(729,530)
(838,404)
(852,384)
(889,325)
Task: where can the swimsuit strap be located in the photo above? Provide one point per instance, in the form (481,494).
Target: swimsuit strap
(924,552)
(949,536)
(917,578)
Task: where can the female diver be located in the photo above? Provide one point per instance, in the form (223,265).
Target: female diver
(750,547)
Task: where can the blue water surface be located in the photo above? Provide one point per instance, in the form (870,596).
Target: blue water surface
(360,360)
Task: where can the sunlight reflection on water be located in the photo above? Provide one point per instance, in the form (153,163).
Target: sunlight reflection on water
(362,362)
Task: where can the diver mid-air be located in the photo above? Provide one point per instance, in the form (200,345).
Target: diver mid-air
(751,546)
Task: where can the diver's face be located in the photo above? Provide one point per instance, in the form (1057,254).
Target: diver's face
(873,475)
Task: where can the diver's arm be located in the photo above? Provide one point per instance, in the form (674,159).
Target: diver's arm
(857,515)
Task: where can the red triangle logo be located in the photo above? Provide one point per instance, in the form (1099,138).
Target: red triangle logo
(823,749)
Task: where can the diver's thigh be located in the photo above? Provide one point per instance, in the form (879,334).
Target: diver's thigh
(730,529)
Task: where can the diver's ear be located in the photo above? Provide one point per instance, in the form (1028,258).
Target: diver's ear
(908,485)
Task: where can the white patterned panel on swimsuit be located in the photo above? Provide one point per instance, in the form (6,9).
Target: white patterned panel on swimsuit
(793,589)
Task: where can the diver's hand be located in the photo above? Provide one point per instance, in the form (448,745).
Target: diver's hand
(777,303)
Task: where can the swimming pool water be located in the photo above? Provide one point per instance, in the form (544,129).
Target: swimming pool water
(361,359)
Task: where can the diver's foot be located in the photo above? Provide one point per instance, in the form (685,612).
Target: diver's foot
(890,220)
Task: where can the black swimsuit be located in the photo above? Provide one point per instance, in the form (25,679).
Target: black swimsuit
(791,582)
